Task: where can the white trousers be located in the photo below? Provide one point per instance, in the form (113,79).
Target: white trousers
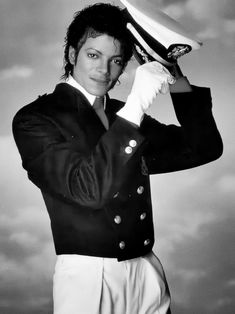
(95,285)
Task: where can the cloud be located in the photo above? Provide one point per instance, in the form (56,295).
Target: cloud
(203,268)
(203,9)
(208,33)
(175,10)
(226,184)
(26,285)
(15,72)
(198,195)
(216,15)
(26,260)
(210,9)
(229,26)
(208,19)
(27,27)
(194,228)
(225,9)
(27,251)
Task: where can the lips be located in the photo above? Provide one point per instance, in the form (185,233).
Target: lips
(100,80)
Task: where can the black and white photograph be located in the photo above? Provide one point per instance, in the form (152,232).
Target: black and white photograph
(117,157)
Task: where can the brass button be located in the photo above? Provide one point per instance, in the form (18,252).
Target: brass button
(122,245)
(128,150)
(116,195)
(142,216)
(146,242)
(140,189)
(117,219)
(132,143)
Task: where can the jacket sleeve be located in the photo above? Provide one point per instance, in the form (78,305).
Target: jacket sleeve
(195,142)
(88,179)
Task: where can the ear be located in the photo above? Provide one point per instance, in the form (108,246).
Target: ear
(72,55)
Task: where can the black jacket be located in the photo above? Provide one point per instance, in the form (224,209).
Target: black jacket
(95,183)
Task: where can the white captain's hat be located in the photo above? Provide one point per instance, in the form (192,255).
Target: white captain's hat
(156,36)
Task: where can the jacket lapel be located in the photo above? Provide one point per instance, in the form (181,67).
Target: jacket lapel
(81,114)
(112,107)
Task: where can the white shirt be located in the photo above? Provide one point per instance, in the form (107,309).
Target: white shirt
(91,98)
(128,115)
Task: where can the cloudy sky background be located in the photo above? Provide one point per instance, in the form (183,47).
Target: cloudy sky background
(194,209)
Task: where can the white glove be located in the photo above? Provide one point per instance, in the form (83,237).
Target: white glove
(150,79)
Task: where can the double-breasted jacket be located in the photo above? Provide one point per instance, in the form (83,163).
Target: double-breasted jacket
(95,182)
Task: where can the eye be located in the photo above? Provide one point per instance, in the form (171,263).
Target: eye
(92,55)
(118,62)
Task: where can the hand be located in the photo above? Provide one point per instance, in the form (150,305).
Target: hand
(150,79)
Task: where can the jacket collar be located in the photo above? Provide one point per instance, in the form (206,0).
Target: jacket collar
(71,81)
(70,96)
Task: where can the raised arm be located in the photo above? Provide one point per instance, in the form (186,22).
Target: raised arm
(195,142)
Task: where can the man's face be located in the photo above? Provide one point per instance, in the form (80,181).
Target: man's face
(99,64)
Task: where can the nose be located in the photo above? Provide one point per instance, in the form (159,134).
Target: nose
(103,67)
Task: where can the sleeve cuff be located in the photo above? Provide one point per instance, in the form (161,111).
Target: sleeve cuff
(181,85)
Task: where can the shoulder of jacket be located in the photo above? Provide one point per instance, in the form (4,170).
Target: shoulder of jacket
(35,106)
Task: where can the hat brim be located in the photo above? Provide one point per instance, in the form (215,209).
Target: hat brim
(162,39)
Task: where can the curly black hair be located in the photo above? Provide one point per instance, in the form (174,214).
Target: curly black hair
(92,21)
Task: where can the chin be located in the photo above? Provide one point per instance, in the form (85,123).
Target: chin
(98,91)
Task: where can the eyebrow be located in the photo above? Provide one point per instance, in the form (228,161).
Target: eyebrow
(115,56)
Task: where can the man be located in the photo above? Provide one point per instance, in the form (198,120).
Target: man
(93,166)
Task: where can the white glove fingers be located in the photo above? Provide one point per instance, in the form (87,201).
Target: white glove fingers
(164,88)
(170,78)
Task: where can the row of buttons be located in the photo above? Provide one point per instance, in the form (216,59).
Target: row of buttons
(129,149)
(118,219)
(122,244)
(140,190)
